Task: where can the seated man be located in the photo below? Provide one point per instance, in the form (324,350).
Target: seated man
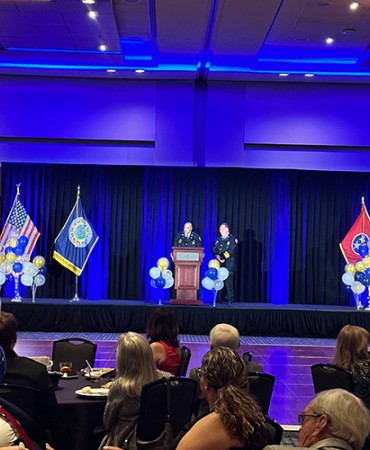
(221,335)
(334,419)
(26,372)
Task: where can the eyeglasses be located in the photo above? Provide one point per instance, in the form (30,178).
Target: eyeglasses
(199,372)
(301,417)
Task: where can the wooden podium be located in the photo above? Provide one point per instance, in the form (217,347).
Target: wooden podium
(187,262)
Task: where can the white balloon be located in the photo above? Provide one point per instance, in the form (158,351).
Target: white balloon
(154,272)
(207,283)
(219,284)
(30,269)
(39,279)
(2,278)
(167,274)
(223,273)
(357,287)
(26,280)
(169,283)
(348,278)
(6,267)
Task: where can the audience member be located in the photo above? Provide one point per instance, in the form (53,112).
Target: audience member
(235,420)
(162,330)
(351,353)
(334,419)
(27,372)
(221,335)
(135,367)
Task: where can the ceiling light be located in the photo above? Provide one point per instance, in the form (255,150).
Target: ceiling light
(92,14)
(139,70)
(329,40)
(283,74)
(88,2)
(309,75)
(111,70)
(353,6)
(103,47)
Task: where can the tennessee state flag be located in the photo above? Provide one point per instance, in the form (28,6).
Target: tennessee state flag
(358,235)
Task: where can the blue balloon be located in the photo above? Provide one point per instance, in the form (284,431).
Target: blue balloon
(359,276)
(367,272)
(212,273)
(363,250)
(23,241)
(43,270)
(366,280)
(160,282)
(18,250)
(17,267)
(8,250)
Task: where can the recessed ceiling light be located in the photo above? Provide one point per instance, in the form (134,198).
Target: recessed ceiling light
(103,47)
(353,6)
(329,40)
(309,75)
(283,74)
(111,70)
(88,2)
(139,70)
(92,14)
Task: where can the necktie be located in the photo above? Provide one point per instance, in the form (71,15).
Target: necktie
(18,428)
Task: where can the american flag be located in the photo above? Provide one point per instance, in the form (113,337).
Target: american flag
(19,223)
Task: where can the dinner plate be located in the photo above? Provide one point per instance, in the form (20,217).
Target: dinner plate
(94,393)
(69,377)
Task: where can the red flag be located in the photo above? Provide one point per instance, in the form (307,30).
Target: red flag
(357,236)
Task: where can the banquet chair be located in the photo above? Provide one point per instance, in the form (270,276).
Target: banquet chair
(274,431)
(24,397)
(36,433)
(153,406)
(184,362)
(328,376)
(76,350)
(261,386)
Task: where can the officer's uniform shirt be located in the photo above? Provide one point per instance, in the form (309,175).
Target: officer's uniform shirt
(193,240)
(226,248)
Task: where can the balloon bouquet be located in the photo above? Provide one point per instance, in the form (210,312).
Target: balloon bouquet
(15,263)
(161,277)
(214,278)
(356,276)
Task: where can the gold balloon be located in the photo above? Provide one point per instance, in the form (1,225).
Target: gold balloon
(366,261)
(351,267)
(162,264)
(214,263)
(360,266)
(11,257)
(13,242)
(39,261)
(2,257)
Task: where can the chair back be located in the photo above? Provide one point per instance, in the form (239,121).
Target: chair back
(153,406)
(75,350)
(184,362)
(35,432)
(274,431)
(24,397)
(329,376)
(247,356)
(261,386)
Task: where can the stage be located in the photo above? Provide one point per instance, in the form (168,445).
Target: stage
(254,319)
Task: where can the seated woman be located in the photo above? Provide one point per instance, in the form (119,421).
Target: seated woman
(135,367)
(351,353)
(235,419)
(162,330)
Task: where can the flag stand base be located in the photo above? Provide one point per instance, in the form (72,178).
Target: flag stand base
(76,298)
(16,298)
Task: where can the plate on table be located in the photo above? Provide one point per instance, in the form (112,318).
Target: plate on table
(93,393)
(97,373)
(66,376)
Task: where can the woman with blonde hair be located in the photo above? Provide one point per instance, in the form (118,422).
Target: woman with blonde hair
(351,353)
(235,419)
(135,367)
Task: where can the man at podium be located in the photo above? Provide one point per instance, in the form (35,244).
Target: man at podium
(188,238)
